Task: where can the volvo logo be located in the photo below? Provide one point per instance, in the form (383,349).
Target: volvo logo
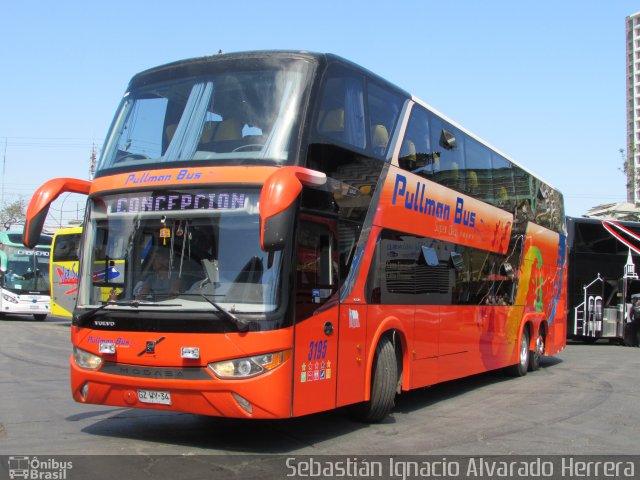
(103,323)
(151,346)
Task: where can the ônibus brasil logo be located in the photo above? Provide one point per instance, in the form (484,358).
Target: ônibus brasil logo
(40,469)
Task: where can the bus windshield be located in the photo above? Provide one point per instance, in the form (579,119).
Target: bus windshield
(27,270)
(181,249)
(238,115)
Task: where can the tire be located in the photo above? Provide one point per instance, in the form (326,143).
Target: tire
(520,368)
(40,316)
(384,381)
(536,355)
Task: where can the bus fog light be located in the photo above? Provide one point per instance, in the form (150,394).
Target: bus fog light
(243,402)
(107,347)
(192,353)
(84,391)
(249,366)
(85,359)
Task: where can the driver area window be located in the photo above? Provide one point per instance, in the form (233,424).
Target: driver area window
(317,260)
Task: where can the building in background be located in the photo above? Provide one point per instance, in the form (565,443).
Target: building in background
(633,108)
(629,210)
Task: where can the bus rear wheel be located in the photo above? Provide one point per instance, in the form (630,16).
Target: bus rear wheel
(40,316)
(384,382)
(536,355)
(520,368)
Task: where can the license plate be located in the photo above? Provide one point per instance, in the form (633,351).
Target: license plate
(153,396)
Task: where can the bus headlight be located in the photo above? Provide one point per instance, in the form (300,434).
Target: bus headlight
(249,366)
(86,360)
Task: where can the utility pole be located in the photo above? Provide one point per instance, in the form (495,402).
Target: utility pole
(92,164)
(4,165)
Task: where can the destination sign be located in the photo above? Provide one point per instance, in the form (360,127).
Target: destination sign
(176,202)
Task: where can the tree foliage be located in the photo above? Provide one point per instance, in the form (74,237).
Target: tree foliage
(12,213)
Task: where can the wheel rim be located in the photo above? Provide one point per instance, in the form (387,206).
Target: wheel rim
(524,351)
(540,345)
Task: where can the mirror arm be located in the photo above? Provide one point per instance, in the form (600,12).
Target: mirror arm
(277,199)
(42,200)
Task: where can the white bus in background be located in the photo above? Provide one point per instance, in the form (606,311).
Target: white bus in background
(24,276)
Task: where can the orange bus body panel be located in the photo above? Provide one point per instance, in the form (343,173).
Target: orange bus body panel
(188,176)
(210,396)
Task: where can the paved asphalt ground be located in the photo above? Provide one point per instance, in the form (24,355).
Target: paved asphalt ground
(584,401)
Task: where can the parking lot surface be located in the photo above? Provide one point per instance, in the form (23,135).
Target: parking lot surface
(583,401)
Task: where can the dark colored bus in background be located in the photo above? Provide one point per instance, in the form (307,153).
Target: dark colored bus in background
(602,278)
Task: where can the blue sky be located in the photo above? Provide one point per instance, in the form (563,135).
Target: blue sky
(543,81)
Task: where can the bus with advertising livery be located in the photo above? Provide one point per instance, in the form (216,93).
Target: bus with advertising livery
(284,233)
(63,271)
(24,275)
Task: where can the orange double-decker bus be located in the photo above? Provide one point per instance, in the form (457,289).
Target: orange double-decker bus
(284,233)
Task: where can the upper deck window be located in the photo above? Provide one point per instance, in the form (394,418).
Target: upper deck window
(341,113)
(356,113)
(240,114)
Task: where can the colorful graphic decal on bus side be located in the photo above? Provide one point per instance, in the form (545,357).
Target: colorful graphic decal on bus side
(410,203)
(69,277)
(107,275)
(540,283)
(539,292)
(557,280)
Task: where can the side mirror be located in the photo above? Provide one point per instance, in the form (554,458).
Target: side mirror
(42,200)
(278,203)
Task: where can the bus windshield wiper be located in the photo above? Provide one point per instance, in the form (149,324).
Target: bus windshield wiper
(134,303)
(243,325)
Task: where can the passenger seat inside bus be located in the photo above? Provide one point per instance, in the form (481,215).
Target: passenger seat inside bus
(407,157)
(379,139)
(221,136)
(332,124)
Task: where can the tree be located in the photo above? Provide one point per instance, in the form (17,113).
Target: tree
(629,170)
(12,213)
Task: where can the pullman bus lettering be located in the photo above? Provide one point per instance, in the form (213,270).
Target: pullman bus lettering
(462,216)
(147,177)
(417,201)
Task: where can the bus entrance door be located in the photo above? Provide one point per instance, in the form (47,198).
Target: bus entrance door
(316,316)
(315,357)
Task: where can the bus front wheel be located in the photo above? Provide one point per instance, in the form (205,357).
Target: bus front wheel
(40,316)
(384,382)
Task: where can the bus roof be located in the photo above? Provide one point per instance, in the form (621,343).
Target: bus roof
(15,239)
(198,65)
(68,231)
